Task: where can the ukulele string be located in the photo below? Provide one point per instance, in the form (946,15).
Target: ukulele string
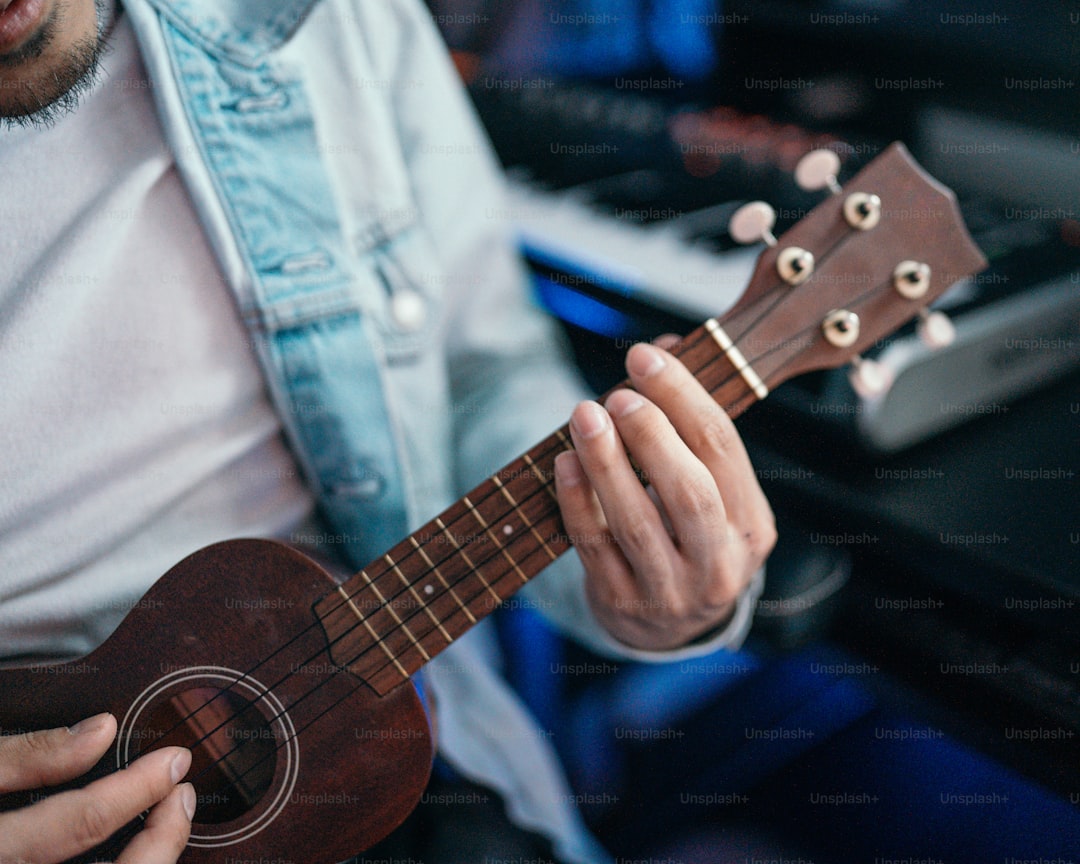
(682,349)
(384,636)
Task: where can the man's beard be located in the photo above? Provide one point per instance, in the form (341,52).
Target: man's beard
(41,101)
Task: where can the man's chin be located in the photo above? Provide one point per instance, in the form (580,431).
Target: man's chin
(42,102)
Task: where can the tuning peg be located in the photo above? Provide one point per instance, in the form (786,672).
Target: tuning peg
(912,279)
(795,265)
(841,328)
(818,170)
(869,378)
(935,329)
(753,223)
(862,210)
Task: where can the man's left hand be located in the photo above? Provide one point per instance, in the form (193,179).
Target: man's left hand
(665,564)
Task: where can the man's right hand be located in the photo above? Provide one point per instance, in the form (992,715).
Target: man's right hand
(69,823)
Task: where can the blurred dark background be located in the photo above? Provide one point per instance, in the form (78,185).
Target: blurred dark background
(911,690)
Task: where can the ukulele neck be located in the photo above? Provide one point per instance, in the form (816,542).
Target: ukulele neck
(406,607)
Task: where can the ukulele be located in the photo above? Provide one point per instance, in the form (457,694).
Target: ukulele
(308,739)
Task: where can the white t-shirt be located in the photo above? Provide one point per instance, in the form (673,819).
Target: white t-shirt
(136,427)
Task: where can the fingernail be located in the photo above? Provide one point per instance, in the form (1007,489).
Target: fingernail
(590,420)
(623,402)
(568,470)
(90,724)
(187,798)
(180,765)
(644,361)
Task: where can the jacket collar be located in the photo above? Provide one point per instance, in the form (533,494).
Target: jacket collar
(239,30)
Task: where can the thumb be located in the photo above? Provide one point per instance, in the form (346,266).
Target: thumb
(51,756)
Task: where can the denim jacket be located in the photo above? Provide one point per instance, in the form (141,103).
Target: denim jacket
(354,208)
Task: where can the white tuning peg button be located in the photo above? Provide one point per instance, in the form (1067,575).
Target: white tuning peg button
(818,170)
(935,329)
(869,378)
(753,223)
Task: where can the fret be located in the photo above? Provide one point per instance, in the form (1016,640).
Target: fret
(420,602)
(390,654)
(475,570)
(508,531)
(517,509)
(531,559)
(539,474)
(390,608)
(442,579)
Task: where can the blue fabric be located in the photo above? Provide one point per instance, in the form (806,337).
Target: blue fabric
(301,311)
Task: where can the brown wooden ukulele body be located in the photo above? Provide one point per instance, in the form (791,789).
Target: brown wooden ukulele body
(298,744)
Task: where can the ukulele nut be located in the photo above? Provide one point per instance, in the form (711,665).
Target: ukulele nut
(912,279)
(862,211)
(795,265)
(841,328)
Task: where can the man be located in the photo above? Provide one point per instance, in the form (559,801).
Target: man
(251,285)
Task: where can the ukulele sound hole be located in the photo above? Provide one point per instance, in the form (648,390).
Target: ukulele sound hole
(234,751)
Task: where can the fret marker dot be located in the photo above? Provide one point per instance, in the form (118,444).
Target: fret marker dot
(429,590)
(508,530)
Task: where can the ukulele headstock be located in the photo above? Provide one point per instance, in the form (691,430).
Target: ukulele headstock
(869,258)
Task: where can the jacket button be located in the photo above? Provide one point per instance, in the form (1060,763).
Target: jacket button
(409,310)
(367,486)
(372,487)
